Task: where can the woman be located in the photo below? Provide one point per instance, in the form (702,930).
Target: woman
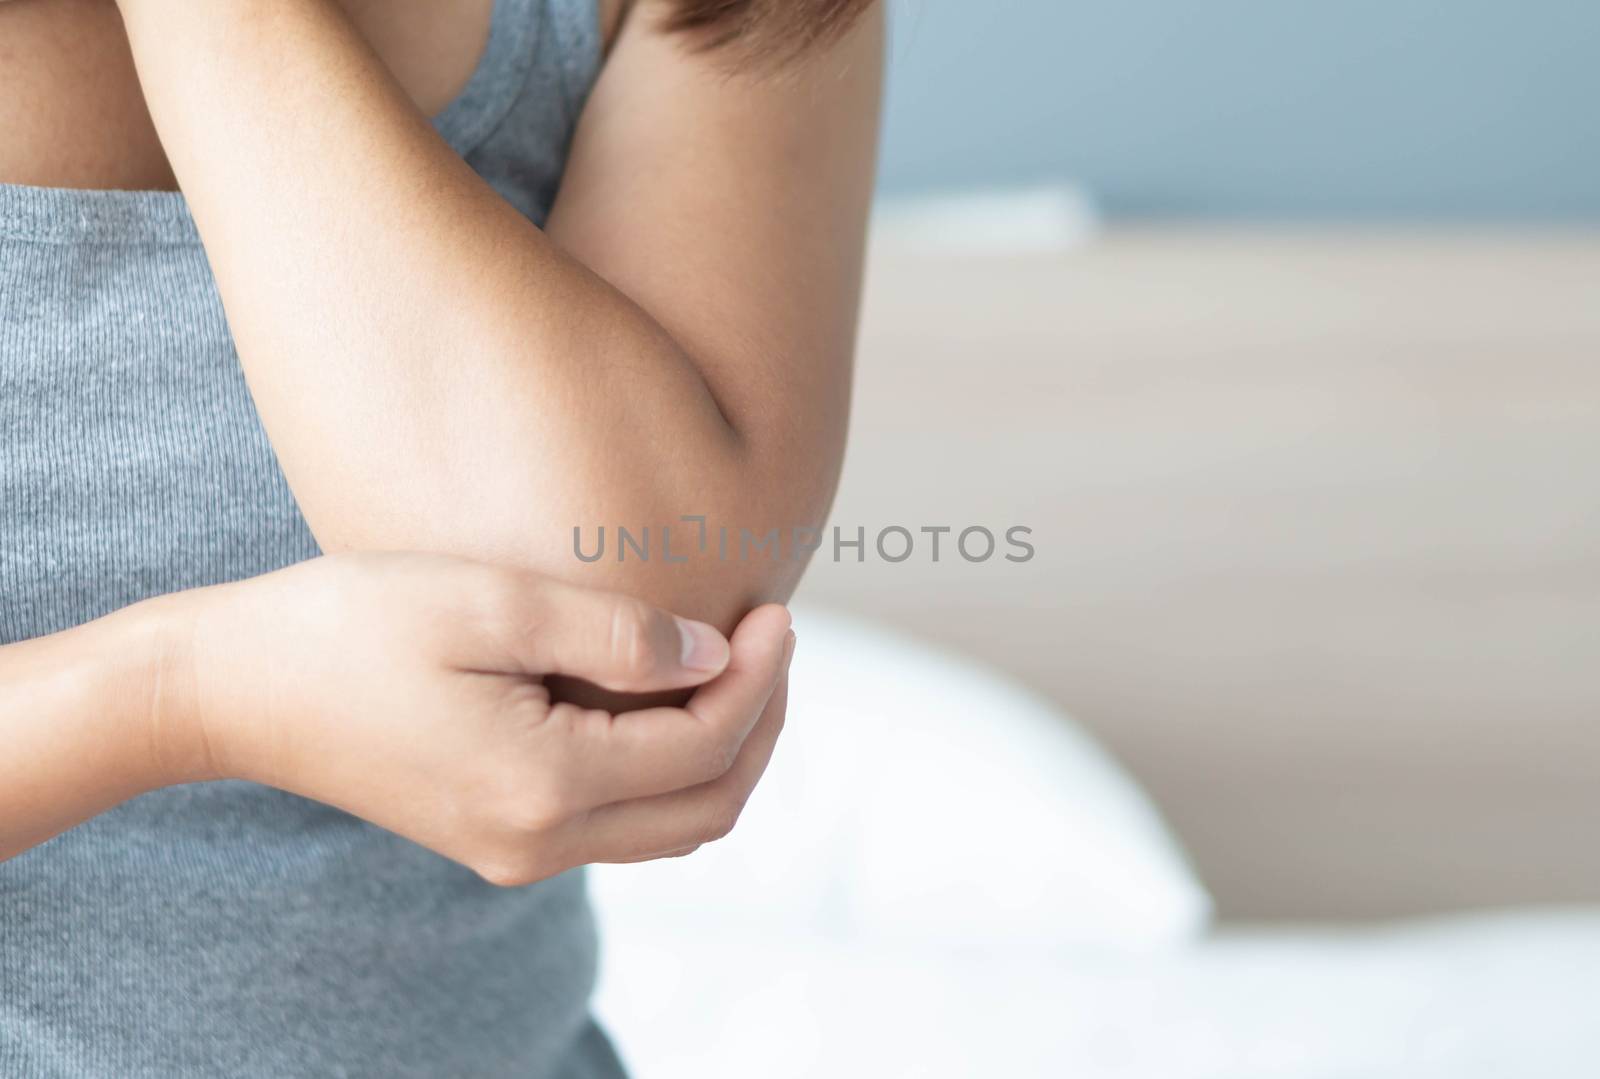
(291,465)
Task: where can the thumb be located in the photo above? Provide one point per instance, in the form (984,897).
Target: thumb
(615,641)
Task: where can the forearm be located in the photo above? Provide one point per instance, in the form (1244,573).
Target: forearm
(87,723)
(433,371)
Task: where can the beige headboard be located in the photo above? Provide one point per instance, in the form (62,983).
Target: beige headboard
(1317,533)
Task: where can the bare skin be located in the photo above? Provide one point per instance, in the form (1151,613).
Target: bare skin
(677,339)
(74,114)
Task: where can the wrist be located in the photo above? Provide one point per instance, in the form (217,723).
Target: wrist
(153,656)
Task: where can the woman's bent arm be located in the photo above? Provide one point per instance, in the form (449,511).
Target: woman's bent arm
(437,373)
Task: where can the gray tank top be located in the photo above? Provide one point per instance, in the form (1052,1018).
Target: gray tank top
(229,929)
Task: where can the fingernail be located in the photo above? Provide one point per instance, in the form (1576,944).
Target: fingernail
(704,649)
(788,647)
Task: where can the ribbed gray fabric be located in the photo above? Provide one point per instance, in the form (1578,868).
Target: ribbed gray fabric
(229,929)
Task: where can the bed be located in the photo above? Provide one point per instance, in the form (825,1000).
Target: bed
(1499,996)
(943,876)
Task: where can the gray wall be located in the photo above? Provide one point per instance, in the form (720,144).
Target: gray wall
(1344,109)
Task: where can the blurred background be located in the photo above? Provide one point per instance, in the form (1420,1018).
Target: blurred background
(1365,110)
(1305,416)
(1278,324)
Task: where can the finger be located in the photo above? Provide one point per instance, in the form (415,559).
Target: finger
(681,852)
(651,827)
(658,750)
(615,641)
(648,828)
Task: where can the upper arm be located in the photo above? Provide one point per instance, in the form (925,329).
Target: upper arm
(732,208)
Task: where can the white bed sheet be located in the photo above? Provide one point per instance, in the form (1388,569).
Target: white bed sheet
(1513,994)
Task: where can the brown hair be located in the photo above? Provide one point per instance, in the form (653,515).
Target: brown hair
(763,29)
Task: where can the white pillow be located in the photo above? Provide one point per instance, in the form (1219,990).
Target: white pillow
(918,798)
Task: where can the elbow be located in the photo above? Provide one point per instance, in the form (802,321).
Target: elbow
(711,557)
(709,531)
(708,512)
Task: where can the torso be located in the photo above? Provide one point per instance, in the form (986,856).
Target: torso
(71,114)
(284,936)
